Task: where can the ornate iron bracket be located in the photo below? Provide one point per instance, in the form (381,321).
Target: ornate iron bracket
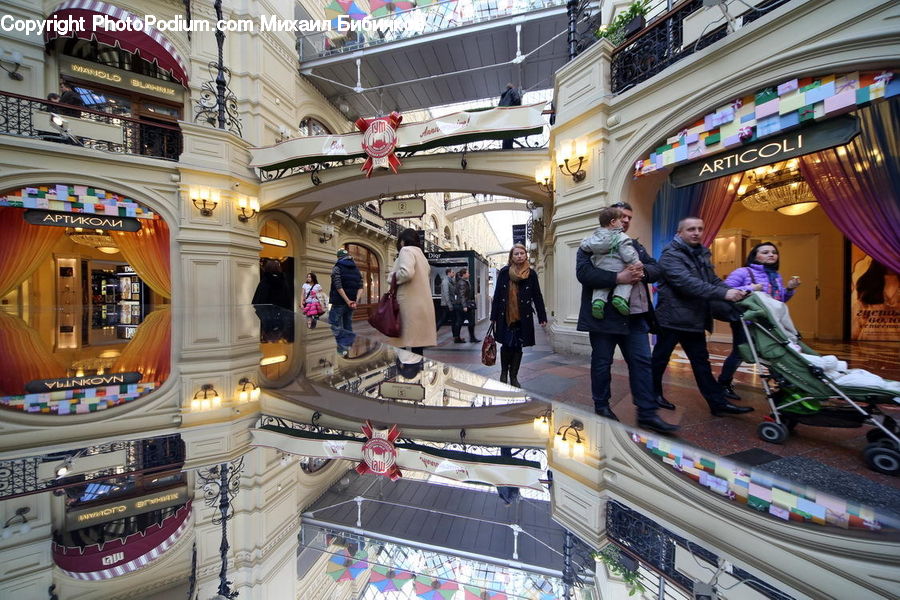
(217,104)
(221,483)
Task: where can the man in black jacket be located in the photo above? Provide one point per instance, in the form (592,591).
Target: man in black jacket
(346,284)
(690,284)
(629,332)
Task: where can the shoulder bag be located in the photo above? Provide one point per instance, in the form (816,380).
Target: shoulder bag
(489,348)
(386,316)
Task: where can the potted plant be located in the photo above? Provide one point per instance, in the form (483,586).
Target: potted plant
(627,23)
(623,566)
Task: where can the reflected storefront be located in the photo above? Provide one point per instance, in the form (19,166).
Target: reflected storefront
(102,260)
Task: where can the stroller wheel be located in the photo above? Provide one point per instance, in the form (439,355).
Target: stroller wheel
(774,433)
(882,459)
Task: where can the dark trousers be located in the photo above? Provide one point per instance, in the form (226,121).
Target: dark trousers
(694,345)
(340,318)
(733,361)
(446,316)
(461,316)
(636,350)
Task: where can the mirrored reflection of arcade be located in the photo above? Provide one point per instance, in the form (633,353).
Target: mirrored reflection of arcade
(84,299)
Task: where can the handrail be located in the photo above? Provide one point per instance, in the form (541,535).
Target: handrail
(139,136)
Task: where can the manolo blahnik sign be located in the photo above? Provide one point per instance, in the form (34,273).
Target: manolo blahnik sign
(77,519)
(85,220)
(40,386)
(827,134)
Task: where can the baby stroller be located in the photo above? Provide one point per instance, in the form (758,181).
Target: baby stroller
(803,387)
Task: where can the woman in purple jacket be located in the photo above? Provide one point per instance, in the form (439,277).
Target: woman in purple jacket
(759,274)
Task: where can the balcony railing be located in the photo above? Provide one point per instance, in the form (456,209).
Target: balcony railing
(30,117)
(661,43)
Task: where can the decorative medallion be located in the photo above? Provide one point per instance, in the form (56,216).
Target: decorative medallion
(379,453)
(379,141)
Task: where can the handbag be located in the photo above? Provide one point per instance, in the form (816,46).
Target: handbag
(489,348)
(386,316)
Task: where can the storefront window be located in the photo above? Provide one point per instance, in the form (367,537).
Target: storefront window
(368,264)
(310,126)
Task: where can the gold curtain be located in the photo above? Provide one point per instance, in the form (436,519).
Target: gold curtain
(150,351)
(23,247)
(147,251)
(25,355)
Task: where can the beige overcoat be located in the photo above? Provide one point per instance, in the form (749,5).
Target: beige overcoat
(414,296)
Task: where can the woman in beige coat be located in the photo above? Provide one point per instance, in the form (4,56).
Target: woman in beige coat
(413,273)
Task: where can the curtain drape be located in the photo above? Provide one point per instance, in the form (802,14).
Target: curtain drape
(716,200)
(710,200)
(25,355)
(23,247)
(147,251)
(150,350)
(858,185)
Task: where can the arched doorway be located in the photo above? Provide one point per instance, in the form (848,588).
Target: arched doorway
(367,262)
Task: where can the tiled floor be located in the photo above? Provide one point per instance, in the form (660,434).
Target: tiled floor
(567,379)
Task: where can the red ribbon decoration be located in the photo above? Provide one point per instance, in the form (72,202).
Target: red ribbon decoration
(379,142)
(385,445)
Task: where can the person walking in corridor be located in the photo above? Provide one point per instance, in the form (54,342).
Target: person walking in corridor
(346,284)
(517,290)
(447,291)
(683,310)
(759,274)
(628,332)
(413,274)
(466,309)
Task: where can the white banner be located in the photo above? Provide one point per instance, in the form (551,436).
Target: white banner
(458,470)
(481,125)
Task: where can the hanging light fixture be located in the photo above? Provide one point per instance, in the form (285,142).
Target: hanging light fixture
(778,188)
(93,238)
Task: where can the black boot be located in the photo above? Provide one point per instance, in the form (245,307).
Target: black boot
(514,363)
(504,364)
(729,390)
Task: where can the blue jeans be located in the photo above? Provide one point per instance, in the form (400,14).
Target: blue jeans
(636,350)
(340,317)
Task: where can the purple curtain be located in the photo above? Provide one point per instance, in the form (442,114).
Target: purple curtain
(858,185)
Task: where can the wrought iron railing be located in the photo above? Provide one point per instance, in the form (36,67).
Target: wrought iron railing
(661,43)
(655,546)
(140,137)
(19,476)
(415,22)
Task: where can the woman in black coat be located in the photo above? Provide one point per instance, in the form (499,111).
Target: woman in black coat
(516,291)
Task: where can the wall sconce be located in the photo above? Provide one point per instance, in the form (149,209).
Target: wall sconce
(207,398)
(15,58)
(571,150)
(327,233)
(249,391)
(9,528)
(205,199)
(563,443)
(542,176)
(247,204)
(542,422)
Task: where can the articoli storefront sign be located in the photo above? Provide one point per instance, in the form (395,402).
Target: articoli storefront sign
(827,134)
(40,386)
(84,220)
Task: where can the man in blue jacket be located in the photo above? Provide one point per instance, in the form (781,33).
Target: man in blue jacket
(628,332)
(346,283)
(688,288)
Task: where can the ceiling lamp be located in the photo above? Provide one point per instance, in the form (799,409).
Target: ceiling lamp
(783,190)
(93,238)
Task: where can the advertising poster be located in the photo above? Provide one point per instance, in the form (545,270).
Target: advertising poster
(874,299)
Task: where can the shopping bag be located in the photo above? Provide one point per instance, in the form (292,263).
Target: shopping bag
(386,316)
(489,348)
